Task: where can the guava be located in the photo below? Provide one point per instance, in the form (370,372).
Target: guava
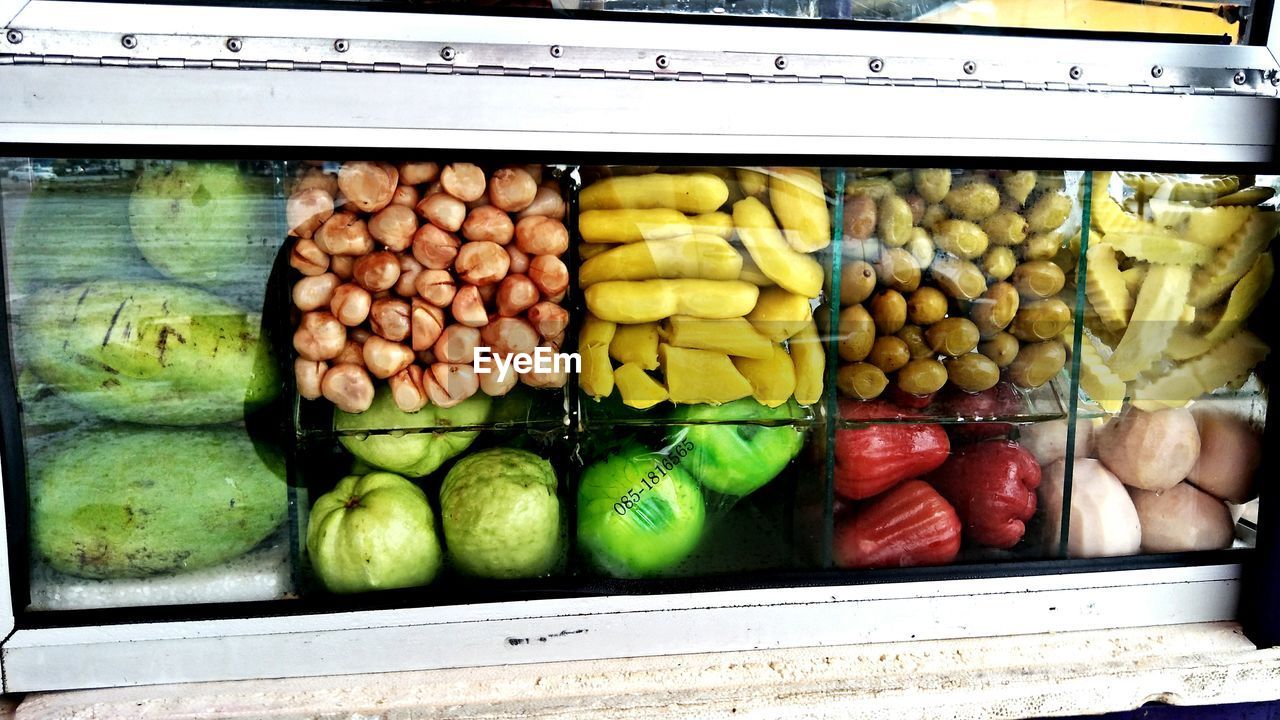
(207,224)
(412,454)
(373,532)
(741,457)
(636,517)
(501,515)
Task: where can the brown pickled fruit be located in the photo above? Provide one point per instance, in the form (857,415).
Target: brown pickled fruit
(857,282)
(898,269)
(960,279)
(889,353)
(913,336)
(861,380)
(1002,348)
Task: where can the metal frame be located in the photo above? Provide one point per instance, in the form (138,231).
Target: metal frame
(105,74)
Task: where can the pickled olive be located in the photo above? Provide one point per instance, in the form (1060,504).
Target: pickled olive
(898,269)
(350,304)
(406,195)
(348,387)
(1038,279)
(319,336)
(377,271)
(920,245)
(407,284)
(1049,212)
(1018,185)
(973,201)
(933,185)
(960,238)
(394,226)
(960,279)
(917,205)
(1037,363)
(307,258)
(913,336)
(857,281)
(343,266)
(368,185)
(1040,320)
(384,358)
(889,311)
(468,307)
(972,372)
(996,308)
(512,189)
(488,224)
(875,188)
(344,233)
(539,235)
(464,181)
(389,317)
(926,306)
(1002,348)
(425,325)
(308,375)
(313,292)
(1042,247)
(416,173)
(859,217)
(902,180)
(443,210)
(952,336)
(306,210)
(1005,228)
(516,294)
(999,263)
(860,380)
(482,263)
(546,202)
(434,248)
(933,215)
(549,273)
(889,353)
(922,376)
(894,222)
(857,333)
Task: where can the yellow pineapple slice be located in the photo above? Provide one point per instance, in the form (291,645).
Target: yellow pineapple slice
(1234,259)
(1208,372)
(1105,288)
(1160,249)
(1214,226)
(1155,316)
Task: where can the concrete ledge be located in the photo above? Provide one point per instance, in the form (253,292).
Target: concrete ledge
(1013,677)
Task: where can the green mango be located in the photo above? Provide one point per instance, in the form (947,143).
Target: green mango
(132,501)
(151,352)
(734,451)
(385,444)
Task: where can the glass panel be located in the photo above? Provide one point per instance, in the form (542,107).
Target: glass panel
(151,405)
(1178,271)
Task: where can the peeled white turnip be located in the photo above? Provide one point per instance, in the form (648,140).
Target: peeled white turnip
(1048,440)
(1230,450)
(1150,450)
(1182,518)
(1103,520)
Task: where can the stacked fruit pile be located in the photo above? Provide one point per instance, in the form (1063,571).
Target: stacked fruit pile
(720,305)
(952,278)
(389,290)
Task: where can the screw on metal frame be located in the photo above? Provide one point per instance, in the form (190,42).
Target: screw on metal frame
(970,67)
(556,51)
(1240,78)
(662,62)
(1156,71)
(780,62)
(13,36)
(341,45)
(448,53)
(876,65)
(234,44)
(129,42)
(1076,72)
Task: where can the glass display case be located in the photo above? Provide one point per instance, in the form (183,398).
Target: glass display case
(611,331)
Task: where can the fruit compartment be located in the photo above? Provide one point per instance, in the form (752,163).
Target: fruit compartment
(507,535)
(679,316)
(700,501)
(517,310)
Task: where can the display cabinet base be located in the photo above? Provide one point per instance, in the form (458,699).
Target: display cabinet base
(612,627)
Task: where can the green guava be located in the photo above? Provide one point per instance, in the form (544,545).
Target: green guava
(741,457)
(635,516)
(412,454)
(373,532)
(501,515)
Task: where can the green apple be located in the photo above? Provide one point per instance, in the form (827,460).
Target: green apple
(501,515)
(635,516)
(373,532)
(412,454)
(741,453)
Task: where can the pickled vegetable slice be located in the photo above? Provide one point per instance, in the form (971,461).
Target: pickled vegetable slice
(1186,343)
(1214,226)
(1171,215)
(1134,276)
(1234,259)
(1109,218)
(1155,315)
(1160,249)
(1105,288)
(1206,188)
(1245,298)
(1247,196)
(1104,386)
(1216,368)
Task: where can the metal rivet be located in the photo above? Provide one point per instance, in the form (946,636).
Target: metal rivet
(130,42)
(341,45)
(1156,71)
(448,53)
(662,62)
(1240,78)
(970,67)
(1076,72)
(13,36)
(234,44)
(876,65)
(1275,78)
(556,51)
(780,62)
